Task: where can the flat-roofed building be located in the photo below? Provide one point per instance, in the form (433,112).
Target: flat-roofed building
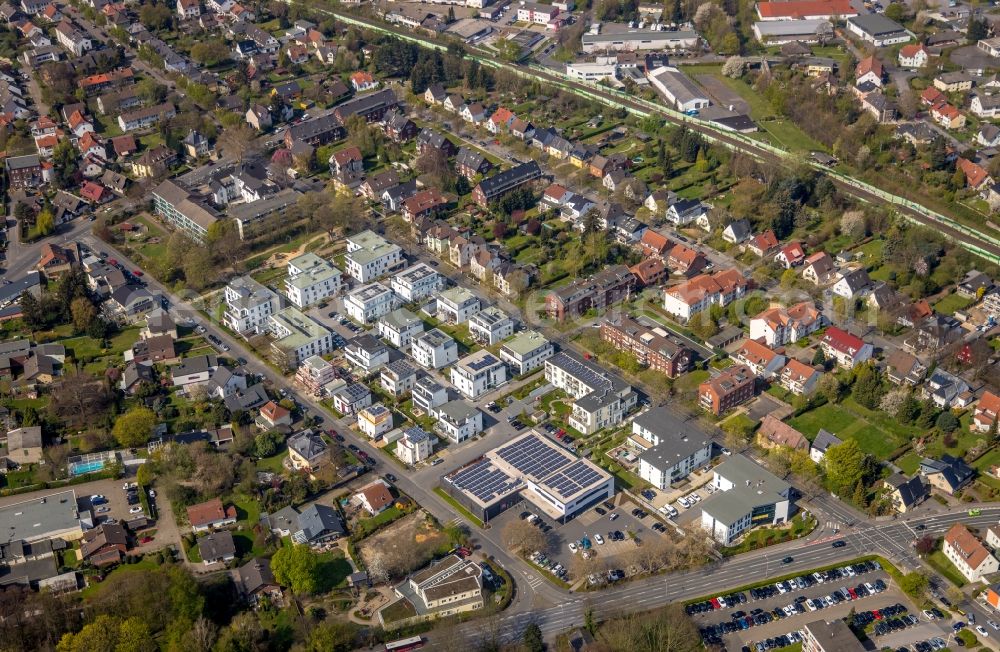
(531,467)
(248,305)
(490,326)
(601,399)
(455,305)
(37,518)
(434,349)
(526,351)
(478,373)
(311,280)
(746,496)
(640,39)
(298,336)
(416,282)
(833,636)
(399,327)
(670,450)
(807,30)
(370,256)
(369,302)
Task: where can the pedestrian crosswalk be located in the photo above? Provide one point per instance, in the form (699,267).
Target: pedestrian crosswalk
(534,581)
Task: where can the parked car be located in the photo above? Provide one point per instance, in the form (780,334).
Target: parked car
(135,510)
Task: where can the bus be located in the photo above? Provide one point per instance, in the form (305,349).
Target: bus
(405,644)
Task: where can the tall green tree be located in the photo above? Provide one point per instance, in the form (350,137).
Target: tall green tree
(296,567)
(134,427)
(845,464)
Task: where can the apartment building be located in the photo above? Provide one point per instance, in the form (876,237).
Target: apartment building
(601,399)
(311,280)
(492,188)
(763,362)
(314,374)
(248,305)
(398,378)
(434,349)
(832,636)
(458,420)
(399,327)
(416,282)
(968,554)
(456,305)
(798,378)
(732,387)
(490,326)
(367,303)
(428,395)
(847,349)
(370,256)
(669,449)
(701,292)
(527,351)
(779,325)
(367,353)
(606,288)
(298,336)
(654,347)
(478,373)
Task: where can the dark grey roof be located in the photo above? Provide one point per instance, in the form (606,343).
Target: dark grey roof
(954,469)
(256,574)
(319,521)
(825,441)
(217,545)
(308,444)
(509,179)
(911,491)
(367,103)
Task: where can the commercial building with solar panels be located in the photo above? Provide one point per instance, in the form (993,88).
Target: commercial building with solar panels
(530,467)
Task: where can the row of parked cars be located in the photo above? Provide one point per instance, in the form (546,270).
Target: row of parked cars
(775,643)
(539,559)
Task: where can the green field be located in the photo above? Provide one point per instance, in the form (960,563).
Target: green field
(846,420)
(941,564)
(951,303)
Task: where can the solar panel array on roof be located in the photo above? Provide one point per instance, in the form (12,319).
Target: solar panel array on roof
(572,479)
(484,481)
(483,363)
(532,457)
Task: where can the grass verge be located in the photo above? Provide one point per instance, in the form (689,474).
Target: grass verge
(458,508)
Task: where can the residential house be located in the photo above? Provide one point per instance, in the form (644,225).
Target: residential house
(903,368)
(731,388)
(968,554)
(848,350)
(798,378)
(985,415)
(457,420)
(761,360)
(853,284)
(774,433)
(762,244)
(819,269)
(948,474)
(217,548)
(211,514)
(904,493)
(791,255)
(307,451)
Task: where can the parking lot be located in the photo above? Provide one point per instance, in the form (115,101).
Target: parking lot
(617,537)
(114,504)
(766,608)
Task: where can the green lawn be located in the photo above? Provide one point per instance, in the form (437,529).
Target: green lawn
(909,463)
(941,564)
(458,507)
(848,420)
(788,135)
(951,303)
(987,460)
(763,537)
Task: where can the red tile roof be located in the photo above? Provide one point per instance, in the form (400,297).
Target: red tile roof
(842,341)
(209,512)
(805,8)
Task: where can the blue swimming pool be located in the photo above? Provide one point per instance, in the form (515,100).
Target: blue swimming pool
(80,468)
